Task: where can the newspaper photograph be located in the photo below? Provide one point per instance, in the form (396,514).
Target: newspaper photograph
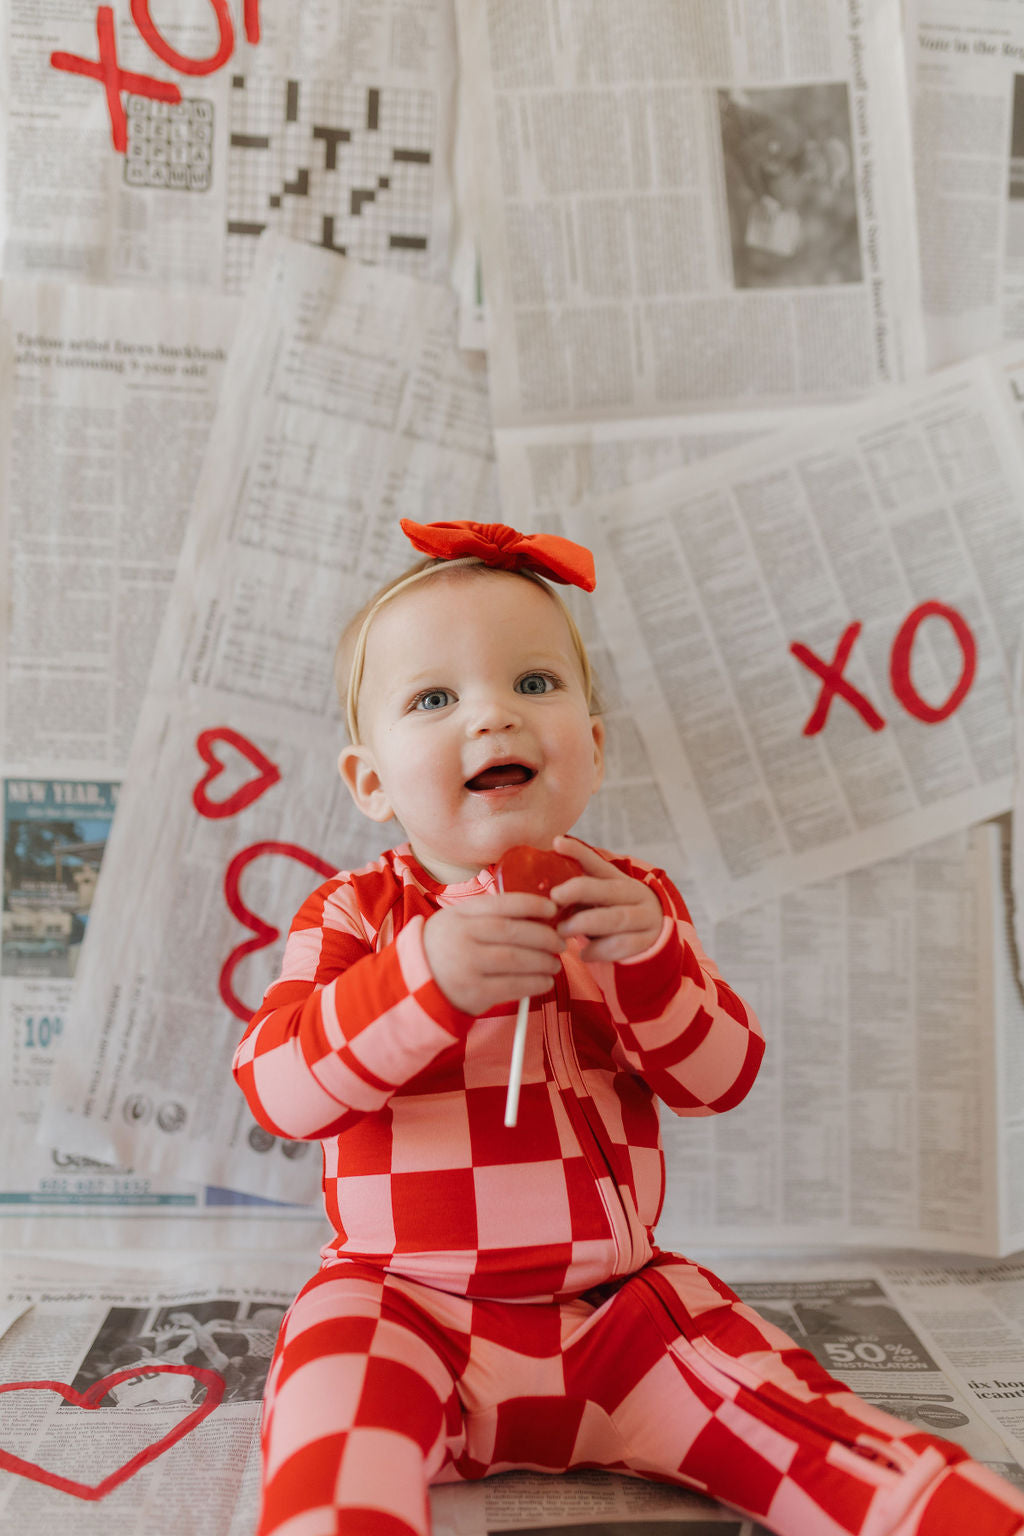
(716,215)
(329,124)
(173,1362)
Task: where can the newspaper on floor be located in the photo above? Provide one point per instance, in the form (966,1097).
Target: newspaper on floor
(167,1344)
(966,67)
(108,398)
(888,1111)
(346,405)
(817,632)
(937,1342)
(331,124)
(923,1338)
(974,1317)
(692,206)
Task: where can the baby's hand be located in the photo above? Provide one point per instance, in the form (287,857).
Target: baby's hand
(493,949)
(619,915)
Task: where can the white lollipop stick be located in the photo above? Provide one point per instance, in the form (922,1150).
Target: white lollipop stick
(515,1066)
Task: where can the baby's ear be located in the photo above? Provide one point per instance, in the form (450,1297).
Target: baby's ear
(359,775)
(597,731)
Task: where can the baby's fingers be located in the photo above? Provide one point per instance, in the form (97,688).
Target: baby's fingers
(526,904)
(599,921)
(591,861)
(587,891)
(517,936)
(615,947)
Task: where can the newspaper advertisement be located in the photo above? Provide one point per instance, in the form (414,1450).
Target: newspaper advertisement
(174,1358)
(966,66)
(109,401)
(818,633)
(975,1316)
(893,1024)
(866,1328)
(716,215)
(329,123)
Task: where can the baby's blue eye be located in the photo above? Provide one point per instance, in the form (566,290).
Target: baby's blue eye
(432,698)
(536,682)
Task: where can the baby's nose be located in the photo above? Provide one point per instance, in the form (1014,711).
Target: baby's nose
(494,712)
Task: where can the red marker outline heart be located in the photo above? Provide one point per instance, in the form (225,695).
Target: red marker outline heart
(91,1398)
(265,932)
(268,773)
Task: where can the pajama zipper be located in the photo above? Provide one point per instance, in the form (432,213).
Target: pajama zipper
(562,1054)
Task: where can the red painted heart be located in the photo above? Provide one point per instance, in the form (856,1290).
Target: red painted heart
(265,932)
(267,773)
(90,1399)
(523,868)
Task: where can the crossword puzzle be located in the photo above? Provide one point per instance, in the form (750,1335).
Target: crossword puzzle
(169,145)
(348,167)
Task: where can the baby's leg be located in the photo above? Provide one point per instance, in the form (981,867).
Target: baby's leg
(707,1394)
(360,1414)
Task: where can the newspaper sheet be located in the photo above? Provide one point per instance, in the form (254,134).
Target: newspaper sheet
(894,1026)
(939,1343)
(711,214)
(921,1338)
(186,1346)
(108,398)
(817,633)
(346,405)
(966,66)
(974,1315)
(330,123)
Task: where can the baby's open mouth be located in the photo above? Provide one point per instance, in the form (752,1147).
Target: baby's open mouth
(501,776)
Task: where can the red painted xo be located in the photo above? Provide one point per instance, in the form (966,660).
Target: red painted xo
(523,868)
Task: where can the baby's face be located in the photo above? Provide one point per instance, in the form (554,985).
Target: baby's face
(476,729)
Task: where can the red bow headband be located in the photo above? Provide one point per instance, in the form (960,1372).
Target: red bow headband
(496,545)
(492,544)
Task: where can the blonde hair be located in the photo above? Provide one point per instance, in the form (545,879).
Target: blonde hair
(350,655)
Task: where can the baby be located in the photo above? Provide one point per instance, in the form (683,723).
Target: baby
(493,1297)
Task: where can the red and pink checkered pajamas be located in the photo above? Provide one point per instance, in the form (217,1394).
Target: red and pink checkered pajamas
(492,1297)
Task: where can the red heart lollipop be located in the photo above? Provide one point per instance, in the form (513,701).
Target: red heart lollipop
(530,869)
(523,868)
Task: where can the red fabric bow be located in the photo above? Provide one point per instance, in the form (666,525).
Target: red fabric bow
(494,544)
